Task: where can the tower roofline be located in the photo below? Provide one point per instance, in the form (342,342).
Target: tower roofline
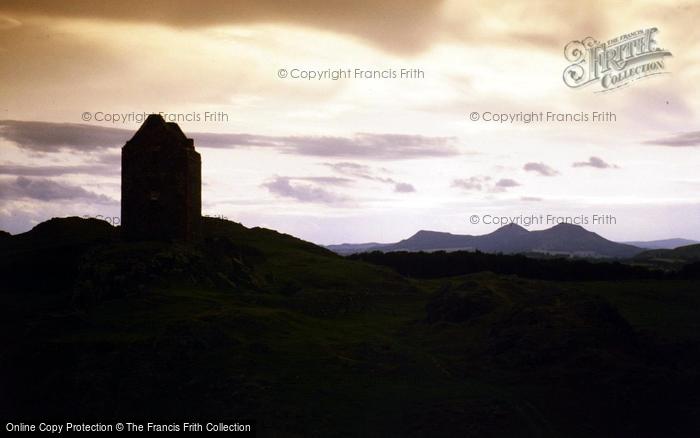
(156,131)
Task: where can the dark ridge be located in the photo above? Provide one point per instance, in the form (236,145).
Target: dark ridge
(441,264)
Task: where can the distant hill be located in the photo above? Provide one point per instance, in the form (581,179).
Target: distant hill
(562,239)
(663,244)
(353,248)
(689,253)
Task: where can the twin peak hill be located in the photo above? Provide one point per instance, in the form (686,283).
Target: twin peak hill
(562,239)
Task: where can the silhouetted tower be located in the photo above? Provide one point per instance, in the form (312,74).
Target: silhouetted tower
(161,183)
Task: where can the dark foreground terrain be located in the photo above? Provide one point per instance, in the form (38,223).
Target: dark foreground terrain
(252,324)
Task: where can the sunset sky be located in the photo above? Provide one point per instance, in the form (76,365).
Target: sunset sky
(352,160)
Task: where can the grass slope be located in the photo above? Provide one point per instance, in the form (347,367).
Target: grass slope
(256,324)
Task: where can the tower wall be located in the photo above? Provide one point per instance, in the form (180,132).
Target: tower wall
(161,184)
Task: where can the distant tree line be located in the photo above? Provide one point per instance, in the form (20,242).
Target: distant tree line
(448,264)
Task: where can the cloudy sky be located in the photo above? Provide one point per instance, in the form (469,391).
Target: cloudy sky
(354,159)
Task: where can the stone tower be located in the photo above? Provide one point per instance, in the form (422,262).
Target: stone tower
(161,184)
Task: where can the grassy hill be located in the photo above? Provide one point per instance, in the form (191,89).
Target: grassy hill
(254,324)
(689,253)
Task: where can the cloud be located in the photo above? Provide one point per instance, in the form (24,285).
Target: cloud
(368,173)
(113,160)
(55,137)
(483,183)
(540,168)
(353,169)
(595,162)
(361,145)
(8,23)
(286,187)
(503,184)
(48,171)
(404,188)
(402,26)
(530,199)
(472,183)
(329,180)
(684,139)
(48,190)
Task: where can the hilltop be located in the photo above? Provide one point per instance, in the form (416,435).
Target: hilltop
(684,258)
(688,253)
(71,251)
